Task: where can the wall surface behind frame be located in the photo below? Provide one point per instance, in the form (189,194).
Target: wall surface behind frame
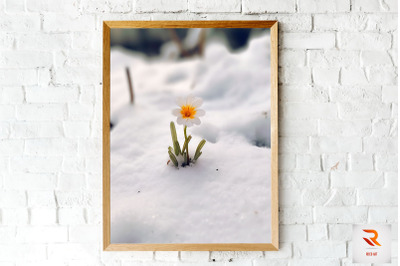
(338,127)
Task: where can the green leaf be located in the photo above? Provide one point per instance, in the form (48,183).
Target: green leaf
(185,145)
(175,141)
(170,149)
(197,155)
(198,150)
(177,148)
(173,158)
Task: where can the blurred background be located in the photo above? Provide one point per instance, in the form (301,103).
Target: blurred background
(180,43)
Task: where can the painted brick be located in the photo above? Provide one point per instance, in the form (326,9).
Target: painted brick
(77,129)
(325,76)
(317,232)
(373,144)
(195,256)
(51,147)
(12,199)
(41,198)
(258,6)
(35,164)
(377,197)
(343,128)
(30,181)
(70,251)
(292,57)
(382,214)
(340,232)
(295,215)
(336,144)
(41,112)
(11,77)
(308,162)
(14,216)
(333,58)
(73,198)
(15,6)
(304,180)
(295,75)
(364,41)
(310,40)
(214,6)
(85,233)
(341,214)
(43,41)
(11,147)
(353,76)
(166,256)
(43,216)
(52,94)
(28,22)
(290,197)
(68,182)
(386,162)
(381,75)
(389,94)
(293,22)
(309,110)
(42,234)
(320,6)
(37,129)
(361,162)
(71,216)
(373,58)
(28,251)
(25,59)
(7,112)
(321,249)
(374,6)
(11,95)
(293,232)
(52,22)
(144,6)
(292,128)
(51,6)
(356,179)
(362,111)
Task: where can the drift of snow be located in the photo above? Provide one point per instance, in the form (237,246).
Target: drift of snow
(226,196)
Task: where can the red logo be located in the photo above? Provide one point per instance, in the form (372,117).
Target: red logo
(373,239)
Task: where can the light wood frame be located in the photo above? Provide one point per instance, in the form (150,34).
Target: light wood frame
(274,245)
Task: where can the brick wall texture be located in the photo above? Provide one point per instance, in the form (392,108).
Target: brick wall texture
(338,127)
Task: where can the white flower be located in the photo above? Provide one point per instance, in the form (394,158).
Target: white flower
(188,114)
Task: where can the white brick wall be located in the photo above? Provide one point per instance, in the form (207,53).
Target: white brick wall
(338,127)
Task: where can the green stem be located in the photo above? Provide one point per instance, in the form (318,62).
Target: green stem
(187,146)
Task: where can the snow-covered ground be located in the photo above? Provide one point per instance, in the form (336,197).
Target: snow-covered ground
(226,196)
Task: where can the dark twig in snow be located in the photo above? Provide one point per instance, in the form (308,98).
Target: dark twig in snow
(131,94)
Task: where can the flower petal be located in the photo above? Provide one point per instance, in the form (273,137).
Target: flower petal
(188,122)
(180,121)
(189,99)
(197,102)
(176,112)
(200,112)
(180,101)
(196,121)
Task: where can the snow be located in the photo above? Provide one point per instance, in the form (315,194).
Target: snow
(226,196)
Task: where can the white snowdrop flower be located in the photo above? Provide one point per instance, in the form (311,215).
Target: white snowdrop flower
(188,114)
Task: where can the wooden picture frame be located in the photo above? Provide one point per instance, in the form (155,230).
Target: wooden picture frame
(107,245)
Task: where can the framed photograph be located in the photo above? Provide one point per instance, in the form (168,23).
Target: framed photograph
(190,135)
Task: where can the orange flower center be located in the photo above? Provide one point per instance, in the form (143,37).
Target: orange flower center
(188,111)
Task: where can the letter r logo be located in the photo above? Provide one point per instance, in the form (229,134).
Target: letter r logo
(373,239)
